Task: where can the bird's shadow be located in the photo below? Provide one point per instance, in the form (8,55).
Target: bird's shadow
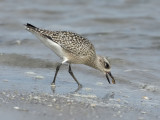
(53,88)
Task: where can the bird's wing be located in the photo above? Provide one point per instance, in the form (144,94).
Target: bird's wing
(72,42)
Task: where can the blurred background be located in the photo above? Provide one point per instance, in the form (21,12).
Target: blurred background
(126,31)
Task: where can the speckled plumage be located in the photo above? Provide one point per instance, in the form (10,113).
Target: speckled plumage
(73,44)
(72,48)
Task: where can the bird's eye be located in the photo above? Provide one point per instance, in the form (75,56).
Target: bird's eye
(106,65)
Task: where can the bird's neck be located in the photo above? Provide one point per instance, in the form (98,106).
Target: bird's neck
(94,63)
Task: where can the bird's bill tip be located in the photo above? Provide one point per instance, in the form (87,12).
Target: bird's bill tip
(113,80)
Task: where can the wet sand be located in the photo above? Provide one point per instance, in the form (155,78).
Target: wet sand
(45,106)
(15,105)
(36,101)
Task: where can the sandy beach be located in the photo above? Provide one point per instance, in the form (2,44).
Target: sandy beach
(46,106)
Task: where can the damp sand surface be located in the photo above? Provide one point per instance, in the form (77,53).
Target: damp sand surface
(125,31)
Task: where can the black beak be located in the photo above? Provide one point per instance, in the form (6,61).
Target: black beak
(108,78)
(113,80)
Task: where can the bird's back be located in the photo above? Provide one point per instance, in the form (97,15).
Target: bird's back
(69,41)
(72,42)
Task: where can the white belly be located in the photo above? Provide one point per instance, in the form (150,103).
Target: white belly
(53,46)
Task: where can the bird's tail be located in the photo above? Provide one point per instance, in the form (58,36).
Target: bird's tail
(31,28)
(37,31)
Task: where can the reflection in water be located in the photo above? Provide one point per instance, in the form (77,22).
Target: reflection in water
(108,96)
(78,89)
(53,88)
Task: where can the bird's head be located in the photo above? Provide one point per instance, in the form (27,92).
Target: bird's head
(103,64)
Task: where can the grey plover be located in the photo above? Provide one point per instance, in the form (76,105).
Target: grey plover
(73,49)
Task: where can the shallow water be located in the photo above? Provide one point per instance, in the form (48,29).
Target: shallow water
(126,31)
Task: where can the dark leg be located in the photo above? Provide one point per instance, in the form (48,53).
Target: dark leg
(71,73)
(57,69)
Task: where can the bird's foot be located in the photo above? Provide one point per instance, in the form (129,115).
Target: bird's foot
(53,84)
(79,88)
(79,85)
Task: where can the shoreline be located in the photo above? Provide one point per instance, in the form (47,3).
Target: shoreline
(14,104)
